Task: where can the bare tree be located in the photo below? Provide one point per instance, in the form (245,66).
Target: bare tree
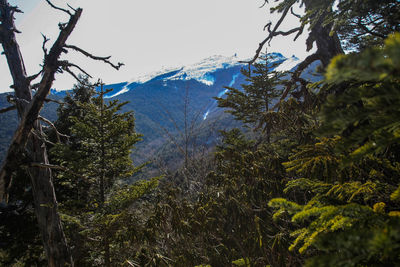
(27,147)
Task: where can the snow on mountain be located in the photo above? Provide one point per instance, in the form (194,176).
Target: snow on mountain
(152,75)
(275,57)
(202,70)
(214,104)
(288,64)
(123,90)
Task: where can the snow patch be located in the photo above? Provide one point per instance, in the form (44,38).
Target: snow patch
(202,70)
(123,90)
(143,78)
(233,79)
(206,114)
(288,64)
(222,92)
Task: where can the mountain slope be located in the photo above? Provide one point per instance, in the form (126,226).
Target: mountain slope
(162,100)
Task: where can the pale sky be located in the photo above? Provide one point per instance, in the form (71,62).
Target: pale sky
(146,35)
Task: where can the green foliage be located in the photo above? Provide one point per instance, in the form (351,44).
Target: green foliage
(254,103)
(98,153)
(315,183)
(95,201)
(340,204)
(317,161)
(366,113)
(241,262)
(350,212)
(359,23)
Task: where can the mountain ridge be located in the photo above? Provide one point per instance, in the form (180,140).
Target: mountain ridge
(158,99)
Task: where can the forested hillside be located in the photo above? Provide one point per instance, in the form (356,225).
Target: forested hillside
(312,179)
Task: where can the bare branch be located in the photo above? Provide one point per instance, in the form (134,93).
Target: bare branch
(47,100)
(45,40)
(365,28)
(15,9)
(265,2)
(70,72)
(4,110)
(40,136)
(49,166)
(272,33)
(71,8)
(65,66)
(104,59)
(31,112)
(59,8)
(15,100)
(300,31)
(54,128)
(296,76)
(172,139)
(16,30)
(294,14)
(33,77)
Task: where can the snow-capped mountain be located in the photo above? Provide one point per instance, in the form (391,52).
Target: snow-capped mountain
(203,72)
(200,71)
(153,95)
(158,99)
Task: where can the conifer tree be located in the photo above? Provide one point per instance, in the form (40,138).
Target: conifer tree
(254,104)
(96,159)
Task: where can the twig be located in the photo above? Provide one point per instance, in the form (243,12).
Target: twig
(47,100)
(70,72)
(272,33)
(71,8)
(59,8)
(294,14)
(296,76)
(104,59)
(265,2)
(45,40)
(33,77)
(31,113)
(47,166)
(54,128)
(42,138)
(365,28)
(4,110)
(65,65)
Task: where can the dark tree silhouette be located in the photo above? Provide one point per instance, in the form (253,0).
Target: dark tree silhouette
(27,147)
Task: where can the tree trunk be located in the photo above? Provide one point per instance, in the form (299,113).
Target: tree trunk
(328,45)
(54,241)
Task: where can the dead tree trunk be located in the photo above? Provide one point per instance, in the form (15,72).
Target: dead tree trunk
(27,140)
(27,146)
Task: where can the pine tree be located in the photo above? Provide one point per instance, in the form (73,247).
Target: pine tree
(254,104)
(96,160)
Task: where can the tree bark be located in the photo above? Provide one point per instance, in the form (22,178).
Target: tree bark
(328,45)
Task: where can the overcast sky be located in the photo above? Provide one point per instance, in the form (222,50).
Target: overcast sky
(146,35)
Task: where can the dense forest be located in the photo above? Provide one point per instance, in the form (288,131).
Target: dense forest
(312,178)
